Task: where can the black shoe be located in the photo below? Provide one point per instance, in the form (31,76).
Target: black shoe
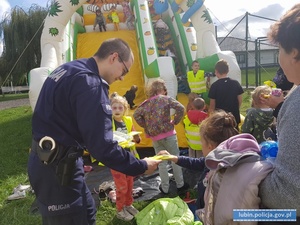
(184,188)
(162,191)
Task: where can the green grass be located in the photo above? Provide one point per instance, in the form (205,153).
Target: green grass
(246,103)
(15,136)
(266,74)
(8,97)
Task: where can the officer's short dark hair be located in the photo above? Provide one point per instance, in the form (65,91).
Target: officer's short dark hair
(113,45)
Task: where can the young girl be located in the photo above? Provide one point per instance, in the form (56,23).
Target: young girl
(218,127)
(260,117)
(154,116)
(235,159)
(115,18)
(123,182)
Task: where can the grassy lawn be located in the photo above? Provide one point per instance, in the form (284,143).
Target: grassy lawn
(15,135)
(266,74)
(8,97)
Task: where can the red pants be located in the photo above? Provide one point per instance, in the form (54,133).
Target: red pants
(124,185)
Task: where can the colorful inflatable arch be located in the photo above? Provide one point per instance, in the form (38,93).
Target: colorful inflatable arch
(68,34)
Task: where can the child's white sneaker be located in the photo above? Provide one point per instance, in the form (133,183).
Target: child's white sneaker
(133,211)
(124,215)
(21,187)
(17,195)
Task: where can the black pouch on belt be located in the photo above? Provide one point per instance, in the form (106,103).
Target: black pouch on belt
(46,149)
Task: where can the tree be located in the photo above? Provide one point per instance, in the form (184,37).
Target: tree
(21,43)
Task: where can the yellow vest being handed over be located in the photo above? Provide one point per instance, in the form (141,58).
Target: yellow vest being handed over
(128,123)
(196,82)
(192,133)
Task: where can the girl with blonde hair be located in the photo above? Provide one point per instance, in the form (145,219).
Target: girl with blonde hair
(124,183)
(154,116)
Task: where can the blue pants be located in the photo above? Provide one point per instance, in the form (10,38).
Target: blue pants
(68,219)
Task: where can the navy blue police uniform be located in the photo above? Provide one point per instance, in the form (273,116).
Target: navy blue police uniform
(73,108)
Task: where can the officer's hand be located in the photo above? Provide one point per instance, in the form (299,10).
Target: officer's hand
(152,165)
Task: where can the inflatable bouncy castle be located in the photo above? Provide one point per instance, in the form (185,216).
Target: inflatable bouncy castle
(183,25)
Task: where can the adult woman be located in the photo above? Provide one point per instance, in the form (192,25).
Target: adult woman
(280,189)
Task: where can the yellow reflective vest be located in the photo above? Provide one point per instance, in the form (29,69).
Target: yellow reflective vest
(192,133)
(128,123)
(196,82)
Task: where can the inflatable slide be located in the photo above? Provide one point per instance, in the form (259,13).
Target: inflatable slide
(184,25)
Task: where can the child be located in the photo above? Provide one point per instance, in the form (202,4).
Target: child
(196,79)
(196,115)
(128,15)
(260,116)
(123,182)
(130,96)
(115,18)
(215,129)
(236,171)
(191,125)
(191,98)
(225,93)
(154,116)
(100,20)
(235,159)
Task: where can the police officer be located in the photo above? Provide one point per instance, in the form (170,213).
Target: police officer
(72,111)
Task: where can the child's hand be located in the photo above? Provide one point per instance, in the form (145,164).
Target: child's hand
(172,158)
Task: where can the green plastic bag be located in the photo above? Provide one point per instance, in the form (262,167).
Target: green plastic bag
(166,211)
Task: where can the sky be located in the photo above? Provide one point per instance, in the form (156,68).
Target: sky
(227,19)
(225,14)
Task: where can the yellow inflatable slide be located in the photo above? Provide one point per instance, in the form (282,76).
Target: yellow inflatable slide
(87,43)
